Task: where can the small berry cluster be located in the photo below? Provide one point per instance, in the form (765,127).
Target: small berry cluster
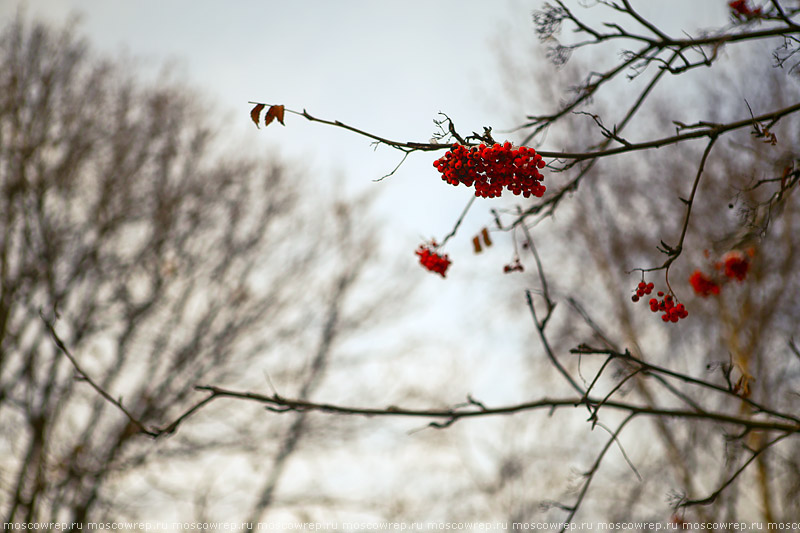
(742,11)
(642,289)
(672,311)
(734,265)
(431,260)
(492,168)
(516,266)
(702,284)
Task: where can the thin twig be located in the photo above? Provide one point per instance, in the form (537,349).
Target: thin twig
(85,377)
(590,474)
(405,156)
(652,369)
(288,405)
(458,221)
(548,350)
(711,498)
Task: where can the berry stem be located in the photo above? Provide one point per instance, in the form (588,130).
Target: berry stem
(459,221)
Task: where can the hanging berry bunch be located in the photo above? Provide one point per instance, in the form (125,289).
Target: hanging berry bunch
(672,312)
(741,10)
(431,260)
(734,265)
(703,284)
(642,289)
(490,169)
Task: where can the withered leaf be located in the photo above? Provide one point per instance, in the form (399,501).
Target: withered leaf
(486,239)
(275,111)
(255,114)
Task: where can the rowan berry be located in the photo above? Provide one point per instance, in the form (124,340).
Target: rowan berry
(703,284)
(736,265)
(741,10)
(516,266)
(432,260)
(643,288)
(490,169)
(672,311)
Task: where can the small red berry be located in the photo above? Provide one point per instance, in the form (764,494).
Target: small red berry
(736,265)
(703,284)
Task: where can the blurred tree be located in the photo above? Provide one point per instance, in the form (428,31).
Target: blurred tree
(162,262)
(663,260)
(617,215)
(670,195)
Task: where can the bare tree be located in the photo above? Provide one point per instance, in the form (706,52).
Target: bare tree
(659,286)
(701,231)
(138,260)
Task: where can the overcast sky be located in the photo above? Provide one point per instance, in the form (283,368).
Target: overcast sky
(386,67)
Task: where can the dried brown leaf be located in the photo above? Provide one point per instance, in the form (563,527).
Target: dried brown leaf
(486,239)
(274,112)
(255,113)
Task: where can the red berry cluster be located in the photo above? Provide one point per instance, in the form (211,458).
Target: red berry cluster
(734,265)
(492,168)
(702,284)
(516,266)
(431,260)
(741,10)
(642,289)
(672,311)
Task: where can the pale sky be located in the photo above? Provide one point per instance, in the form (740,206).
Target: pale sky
(386,67)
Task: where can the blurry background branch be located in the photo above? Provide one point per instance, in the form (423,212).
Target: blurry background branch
(157,260)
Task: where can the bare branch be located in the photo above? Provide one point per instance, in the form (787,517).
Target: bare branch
(288,405)
(711,498)
(593,470)
(459,220)
(85,377)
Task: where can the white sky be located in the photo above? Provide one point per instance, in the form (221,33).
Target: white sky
(386,67)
